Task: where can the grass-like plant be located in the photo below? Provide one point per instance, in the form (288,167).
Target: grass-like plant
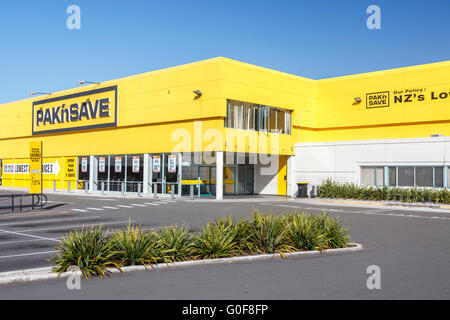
(215,241)
(133,246)
(268,233)
(176,242)
(335,234)
(304,232)
(89,249)
(331,189)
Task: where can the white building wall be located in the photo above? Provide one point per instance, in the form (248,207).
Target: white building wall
(341,160)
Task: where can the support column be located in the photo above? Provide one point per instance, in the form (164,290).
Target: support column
(146,171)
(290,176)
(92,172)
(219,175)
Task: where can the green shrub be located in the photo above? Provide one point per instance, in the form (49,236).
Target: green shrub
(241,230)
(269,233)
(335,234)
(89,249)
(331,189)
(304,234)
(215,241)
(133,246)
(176,242)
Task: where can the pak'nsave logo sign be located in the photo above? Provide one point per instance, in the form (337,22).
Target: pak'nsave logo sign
(79,111)
(377,99)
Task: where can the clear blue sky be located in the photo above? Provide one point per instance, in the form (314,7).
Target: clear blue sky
(314,39)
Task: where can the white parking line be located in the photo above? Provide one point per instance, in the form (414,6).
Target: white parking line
(152,204)
(138,205)
(28,254)
(31,240)
(95,209)
(48,220)
(161,202)
(79,210)
(19,233)
(66,227)
(124,206)
(113,208)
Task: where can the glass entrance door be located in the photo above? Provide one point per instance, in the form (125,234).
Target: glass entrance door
(245,180)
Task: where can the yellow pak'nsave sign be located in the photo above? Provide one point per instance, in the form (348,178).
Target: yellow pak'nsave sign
(78,111)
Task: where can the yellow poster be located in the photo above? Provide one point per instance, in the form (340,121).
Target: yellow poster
(35,167)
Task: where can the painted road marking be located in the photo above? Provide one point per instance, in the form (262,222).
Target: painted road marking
(68,227)
(152,204)
(124,206)
(48,220)
(161,202)
(113,208)
(138,205)
(28,254)
(95,209)
(28,235)
(79,210)
(31,240)
(379,212)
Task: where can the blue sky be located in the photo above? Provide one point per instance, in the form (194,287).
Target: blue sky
(314,39)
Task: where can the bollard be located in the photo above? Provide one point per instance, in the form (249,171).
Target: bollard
(103,188)
(86,187)
(191,190)
(54,185)
(155,191)
(68,186)
(173,191)
(139,189)
(199,187)
(122,188)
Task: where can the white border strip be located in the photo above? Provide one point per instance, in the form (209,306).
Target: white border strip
(46,273)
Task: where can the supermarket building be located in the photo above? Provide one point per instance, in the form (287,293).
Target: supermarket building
(231,128)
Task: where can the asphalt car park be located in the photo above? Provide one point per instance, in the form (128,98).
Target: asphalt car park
(411,246)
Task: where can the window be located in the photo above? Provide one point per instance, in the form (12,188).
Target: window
(248,116)
(281,121)
(424,176)
(406,176)
(272,120)
(372,176)
(368,176)
(392,176)
(439,177)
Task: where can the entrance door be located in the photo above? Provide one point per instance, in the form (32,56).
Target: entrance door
(245,180)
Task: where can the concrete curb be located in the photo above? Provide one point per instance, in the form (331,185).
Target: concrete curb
(46,273)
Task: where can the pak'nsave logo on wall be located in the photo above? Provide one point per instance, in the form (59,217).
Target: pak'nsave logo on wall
(377,99)
(79,111)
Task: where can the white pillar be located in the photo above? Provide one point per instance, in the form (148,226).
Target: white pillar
(290,176)
(92,172)
(219,175)
(146,170)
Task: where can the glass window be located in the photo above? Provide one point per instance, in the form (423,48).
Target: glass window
(368,176)
(288,115)
(424,176)
(439,177)
(380,176)
(248,116)
(406,176)
(272,120)
(281,121)
(392,176)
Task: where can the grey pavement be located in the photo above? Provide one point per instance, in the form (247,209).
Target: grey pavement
(411,247)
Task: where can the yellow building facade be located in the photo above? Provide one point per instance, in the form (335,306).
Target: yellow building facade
(224,126)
